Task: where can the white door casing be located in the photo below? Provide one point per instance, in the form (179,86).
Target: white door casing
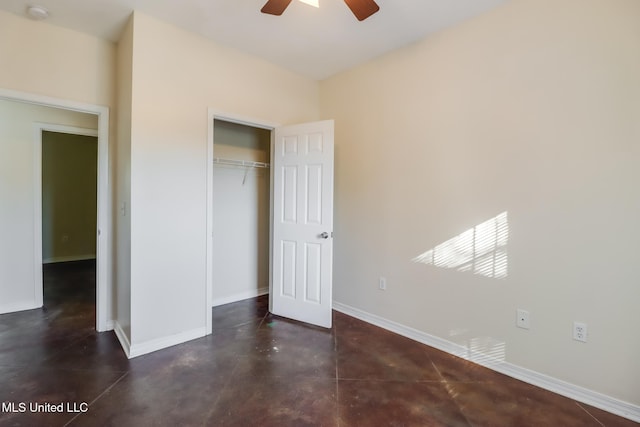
(302,222)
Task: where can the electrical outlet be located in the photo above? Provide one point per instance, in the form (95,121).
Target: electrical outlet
(522,319)
(382,284)
(580,331)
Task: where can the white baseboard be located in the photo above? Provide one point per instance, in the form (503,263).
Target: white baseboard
(21,306)
(150,346)
(572,391)
(239,296)
(122,337)
(68,258)
(109,325)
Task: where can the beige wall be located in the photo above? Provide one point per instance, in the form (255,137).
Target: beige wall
(69,194)
(531,109)
(176,77)
(240,214)
(18,162)
(44,60)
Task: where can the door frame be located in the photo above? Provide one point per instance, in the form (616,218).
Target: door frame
(214,114)
(104,291)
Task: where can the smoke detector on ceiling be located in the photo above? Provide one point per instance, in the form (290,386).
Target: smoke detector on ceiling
(37,13)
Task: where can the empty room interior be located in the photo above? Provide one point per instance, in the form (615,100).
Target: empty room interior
(424,213)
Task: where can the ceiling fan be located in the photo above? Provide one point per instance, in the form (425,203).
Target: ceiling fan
(362,9)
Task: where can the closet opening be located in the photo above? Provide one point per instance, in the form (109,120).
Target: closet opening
(240,222)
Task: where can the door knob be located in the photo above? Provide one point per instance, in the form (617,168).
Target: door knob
(324,235)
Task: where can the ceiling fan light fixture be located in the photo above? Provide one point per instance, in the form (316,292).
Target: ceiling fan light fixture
(37,13)
(362,9)
(314,3)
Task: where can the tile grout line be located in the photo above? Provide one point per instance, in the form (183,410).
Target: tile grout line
(62,350)
(389,380)
(262,320)
(222,390)
(442,379)
(98,397)
(590,414)
(446,388)
(226,383)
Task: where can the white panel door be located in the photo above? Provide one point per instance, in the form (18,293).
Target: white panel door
(302,244)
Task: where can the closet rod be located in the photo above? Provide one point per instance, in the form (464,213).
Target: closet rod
(243,163)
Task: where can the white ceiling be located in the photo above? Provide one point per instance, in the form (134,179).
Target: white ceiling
(313,42)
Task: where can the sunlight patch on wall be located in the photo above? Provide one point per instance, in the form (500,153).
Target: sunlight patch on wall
(487,351)
(481,250)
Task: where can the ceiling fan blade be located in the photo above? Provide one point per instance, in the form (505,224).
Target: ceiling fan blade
(275,7)
(362,9)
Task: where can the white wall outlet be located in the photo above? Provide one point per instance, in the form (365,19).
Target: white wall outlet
(522,319)
(382,284)
(580,331)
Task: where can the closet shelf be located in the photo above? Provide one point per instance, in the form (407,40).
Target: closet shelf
(242,163)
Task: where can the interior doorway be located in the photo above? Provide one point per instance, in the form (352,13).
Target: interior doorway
(28,296)
(69,214)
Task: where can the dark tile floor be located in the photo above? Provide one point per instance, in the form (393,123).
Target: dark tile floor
(256,369)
